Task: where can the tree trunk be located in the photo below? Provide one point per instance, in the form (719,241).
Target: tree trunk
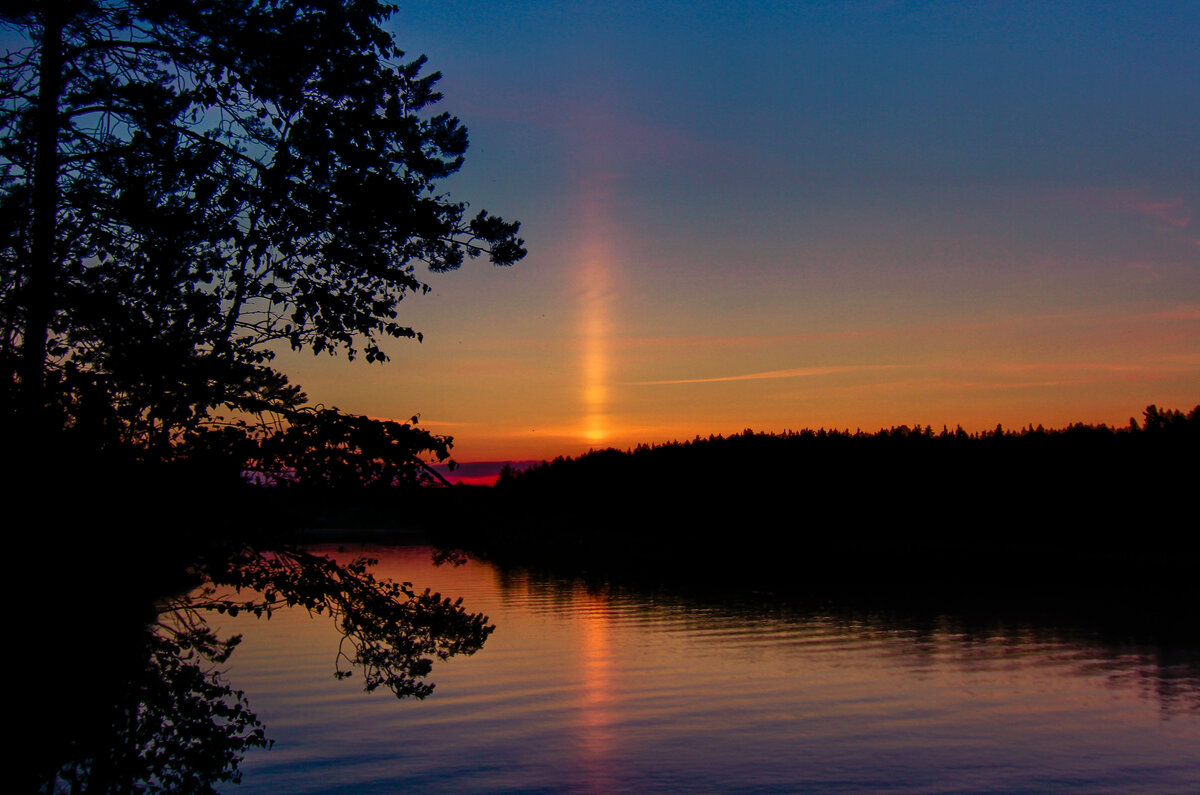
(43,267)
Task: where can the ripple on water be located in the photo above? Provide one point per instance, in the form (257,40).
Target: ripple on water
(584,690)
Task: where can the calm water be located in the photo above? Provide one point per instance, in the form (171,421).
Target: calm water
(599,691)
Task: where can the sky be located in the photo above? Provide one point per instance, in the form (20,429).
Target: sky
(786,215)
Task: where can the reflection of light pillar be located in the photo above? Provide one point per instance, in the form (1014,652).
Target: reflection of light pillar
(595,342)
(598,738)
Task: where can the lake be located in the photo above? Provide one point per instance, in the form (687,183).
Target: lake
(600,689)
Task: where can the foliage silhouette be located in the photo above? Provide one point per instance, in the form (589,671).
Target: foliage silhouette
(388,630)
(183,186)
(329,449)
(184,189)
(171,724)
(160,717)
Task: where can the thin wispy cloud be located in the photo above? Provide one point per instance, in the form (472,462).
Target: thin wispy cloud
(759,340)
(1181,312)
(1114,368)
(796,372)
(737,340)
(1076,318)
(1017,375)
(1174,211)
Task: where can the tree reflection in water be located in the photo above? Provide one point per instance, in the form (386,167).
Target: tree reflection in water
(157,716)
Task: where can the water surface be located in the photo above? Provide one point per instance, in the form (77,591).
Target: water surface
(601,690)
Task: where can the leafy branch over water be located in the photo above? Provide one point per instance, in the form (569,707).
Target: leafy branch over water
(160,717)
(389,630)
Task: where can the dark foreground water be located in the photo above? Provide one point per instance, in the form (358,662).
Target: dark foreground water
(594,690)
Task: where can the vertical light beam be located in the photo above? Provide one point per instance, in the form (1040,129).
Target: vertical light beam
(595,333)
(595,290)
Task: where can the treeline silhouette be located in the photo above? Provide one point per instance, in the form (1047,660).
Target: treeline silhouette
(904,505)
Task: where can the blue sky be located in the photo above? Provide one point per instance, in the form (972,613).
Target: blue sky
(778,215)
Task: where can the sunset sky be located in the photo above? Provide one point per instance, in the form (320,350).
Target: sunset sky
(787,215)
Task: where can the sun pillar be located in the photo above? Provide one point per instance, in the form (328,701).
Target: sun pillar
(595,333)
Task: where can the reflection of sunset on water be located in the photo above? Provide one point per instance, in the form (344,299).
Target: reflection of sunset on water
(598,735)
(581,690)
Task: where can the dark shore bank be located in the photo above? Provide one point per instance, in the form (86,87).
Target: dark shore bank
(910,512)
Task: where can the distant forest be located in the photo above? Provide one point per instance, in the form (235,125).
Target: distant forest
(905,502)
(755,457)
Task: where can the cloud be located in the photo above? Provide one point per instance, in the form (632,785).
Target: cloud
(743,340)
(1181,312)
(1174,211)
(761,340)
(1114,368)
(1186,311)
(796,372)
(949,377)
